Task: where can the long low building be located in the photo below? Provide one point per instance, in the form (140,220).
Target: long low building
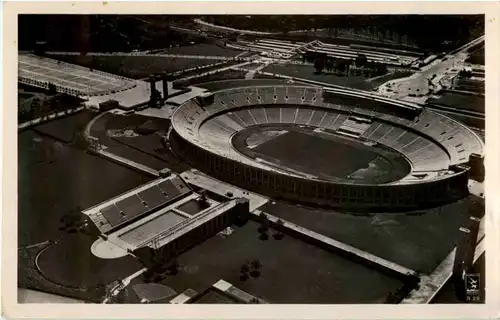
(163,213)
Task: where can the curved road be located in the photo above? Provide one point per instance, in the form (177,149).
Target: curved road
(401,88)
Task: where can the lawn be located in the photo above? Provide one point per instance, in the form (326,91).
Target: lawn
(64,128)
(136,67)
(144,149)
(29,277)
(416,241)
(204,49)
(54,178)
(70,263)
(307,72)
(292,270)
(460,101)
(294,149)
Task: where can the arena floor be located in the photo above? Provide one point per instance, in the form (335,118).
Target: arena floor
(330,157)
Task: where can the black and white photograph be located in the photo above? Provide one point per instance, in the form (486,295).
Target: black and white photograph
(329,158)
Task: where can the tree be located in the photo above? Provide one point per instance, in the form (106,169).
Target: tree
(256,267)
(75,221)
(52,89)
(329,65)
(264,223)
(319,65)
(245,268)
(173,267)
(278,235)
(361,60)
(341,66)
(255,264)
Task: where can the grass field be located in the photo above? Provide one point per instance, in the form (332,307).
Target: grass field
(315,155)
(292,271)
(54,178)
(327,157)
(143,149)
(307,72)
(64,128)
(29,277)
(460,101)
(204,49)
(70,263)
(419,242)
(135,67)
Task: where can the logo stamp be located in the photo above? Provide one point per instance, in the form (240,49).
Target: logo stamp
(472,287)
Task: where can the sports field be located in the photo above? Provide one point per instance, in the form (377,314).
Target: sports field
(136,67)
(70,263)
(417,240)
(330,157)
(312,275)
(308,72)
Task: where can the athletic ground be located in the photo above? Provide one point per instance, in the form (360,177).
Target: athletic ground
(331,157)
(416,240)
(311,275)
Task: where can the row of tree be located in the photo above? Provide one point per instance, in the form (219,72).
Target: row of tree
(41,107)
(338,65)
(465,73)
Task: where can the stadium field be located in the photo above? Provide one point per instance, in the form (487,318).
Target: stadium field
(330,157)
(135,67)
(417,240)
(311,274)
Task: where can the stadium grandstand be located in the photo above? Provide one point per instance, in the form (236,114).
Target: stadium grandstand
(434,145)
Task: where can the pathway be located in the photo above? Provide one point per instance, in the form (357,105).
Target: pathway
(401,88)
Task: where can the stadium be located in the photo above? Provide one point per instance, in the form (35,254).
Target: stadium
(203,163)
(417,162)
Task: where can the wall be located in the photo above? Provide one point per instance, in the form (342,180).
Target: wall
(319,193)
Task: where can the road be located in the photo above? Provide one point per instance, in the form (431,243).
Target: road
(418,82)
